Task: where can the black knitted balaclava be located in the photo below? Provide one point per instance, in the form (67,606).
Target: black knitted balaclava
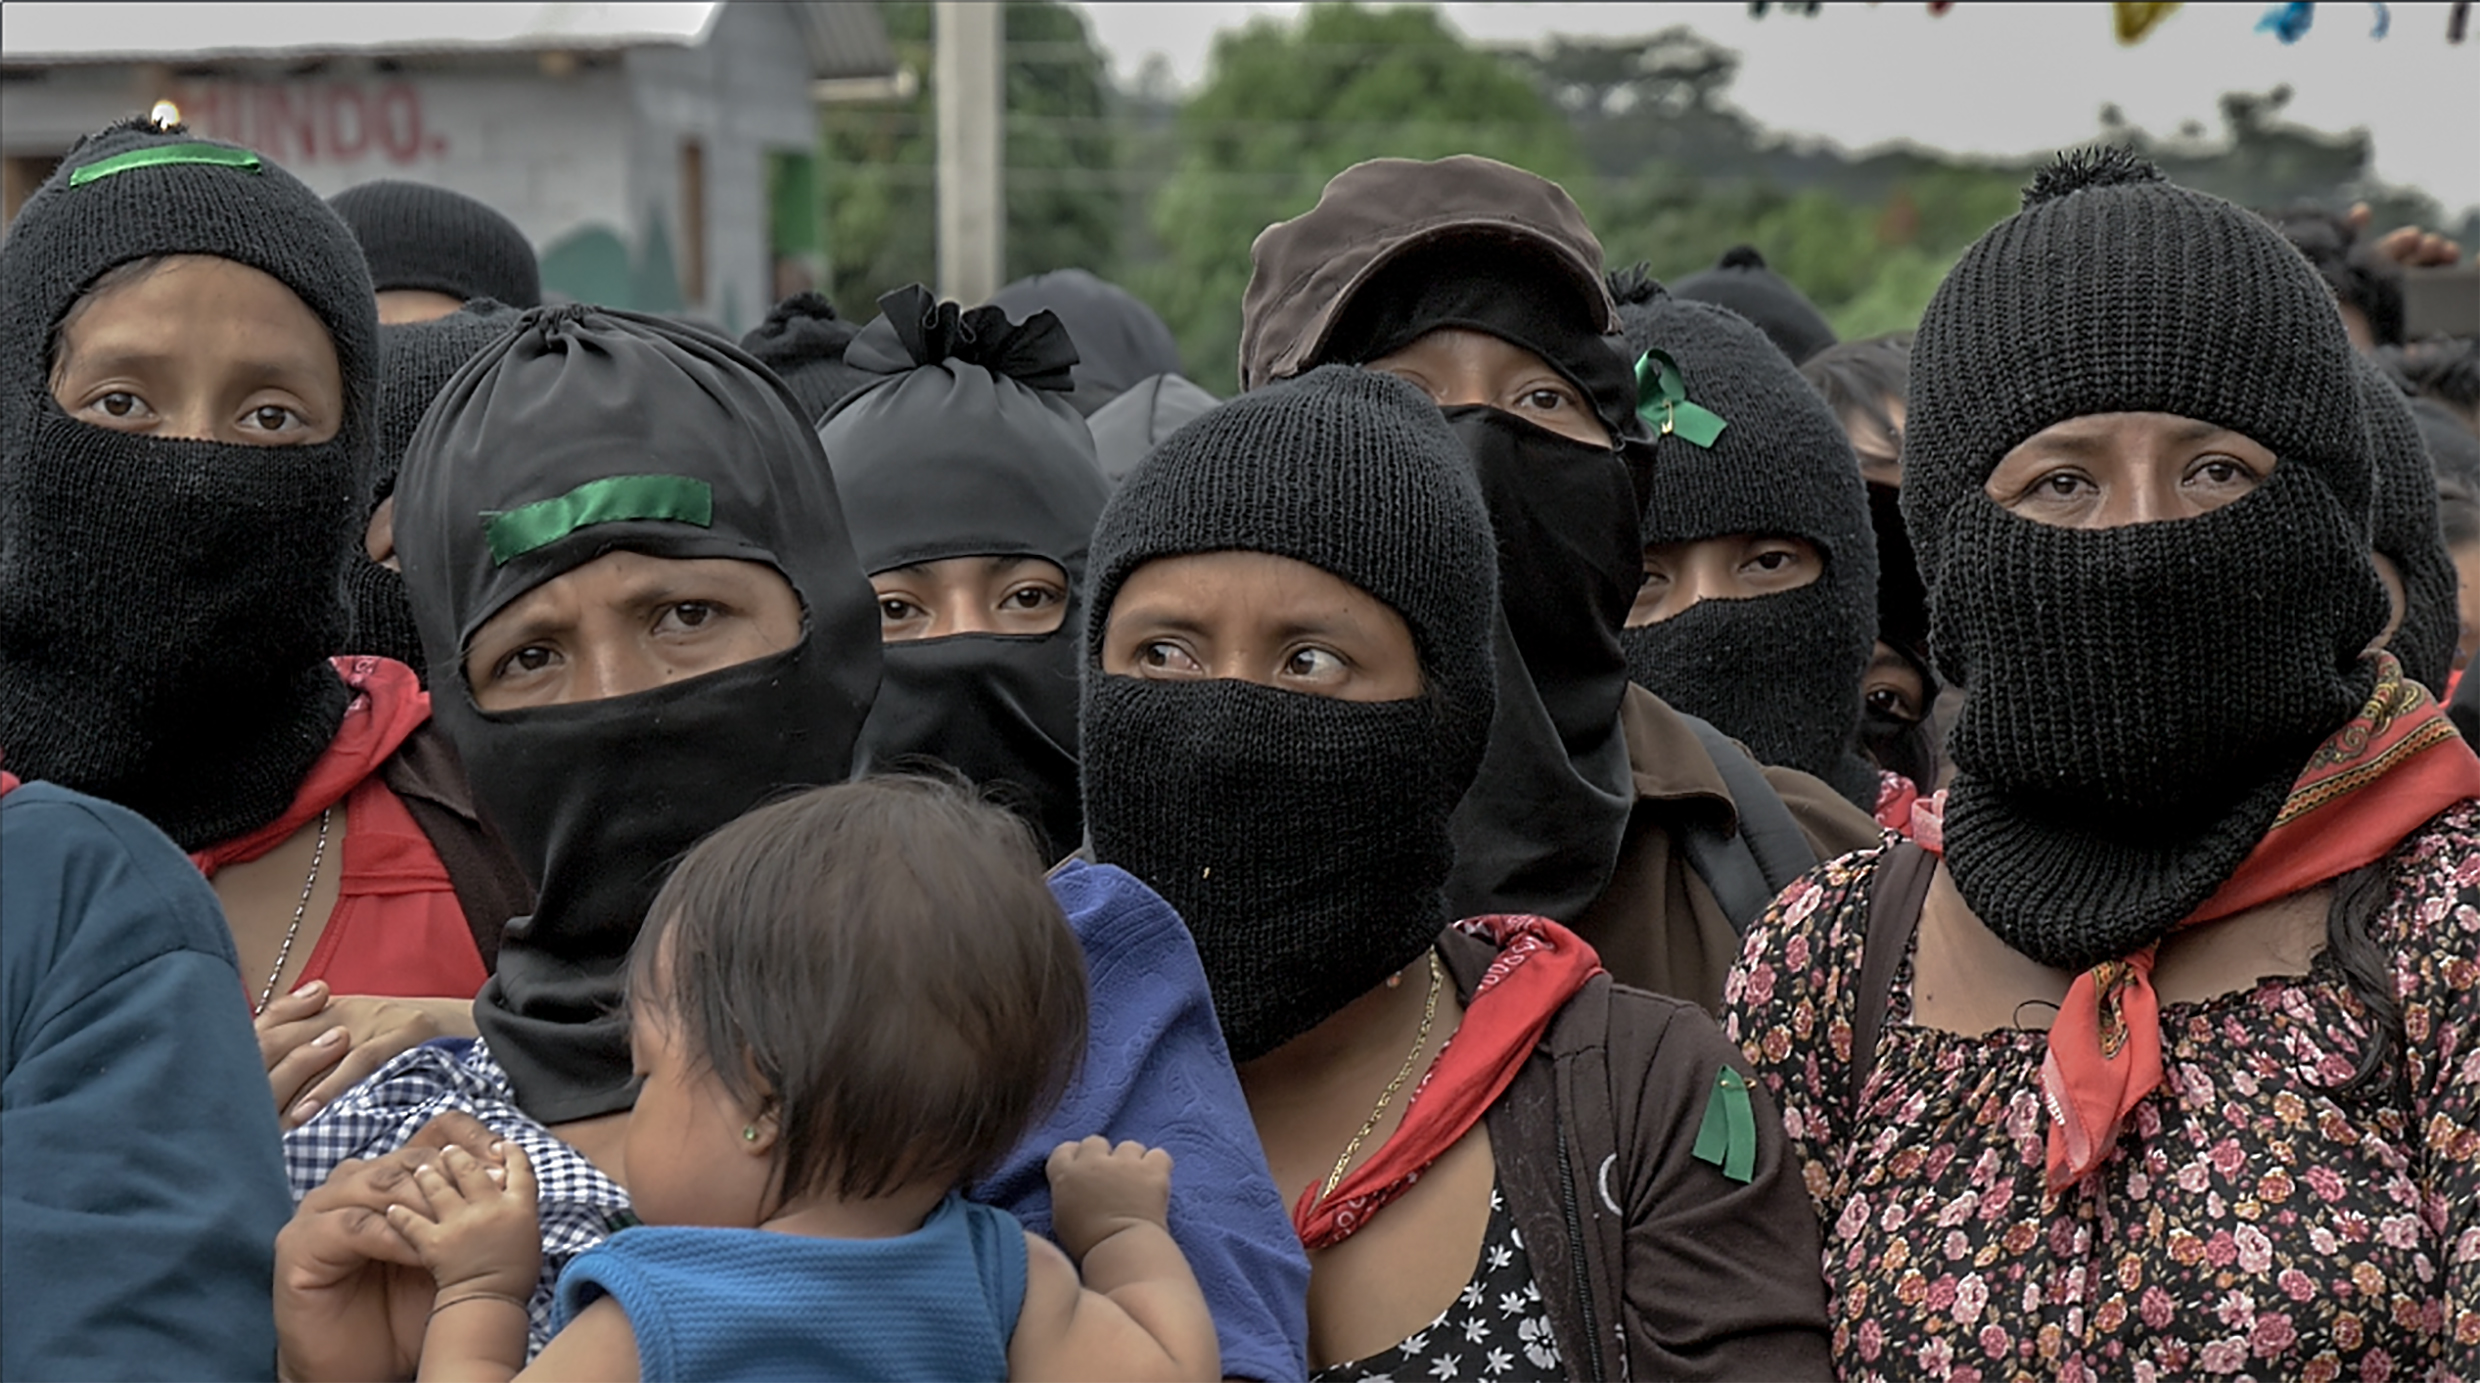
(418,236)
(584,431)
(416,360)
(1305,840)
(2143,697)
(803,341)
(1541,830)
(1780,673)
(167,607)
(2404,525)
(967,448)
(1741,282)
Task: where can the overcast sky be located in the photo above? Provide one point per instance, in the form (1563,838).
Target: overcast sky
(1995,78)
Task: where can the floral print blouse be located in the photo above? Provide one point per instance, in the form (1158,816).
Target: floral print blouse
(2252,1222)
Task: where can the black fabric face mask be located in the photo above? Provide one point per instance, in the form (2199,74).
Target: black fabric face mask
(1303,839)
(670,765)
(998,708)
(1751,667)
(382,616)
(2113,770)
(512,482)
(166,611)
(968,449)
(1541,829)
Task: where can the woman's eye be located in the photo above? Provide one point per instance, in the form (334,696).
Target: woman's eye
(1165,657)
(531,658)
(1888,701)
(894,611)
(273,417)
(1312,663)
(1772,559)
(1545,399)
(1032,598)
(119,404)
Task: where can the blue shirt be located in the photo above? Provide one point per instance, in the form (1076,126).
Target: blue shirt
(1155,1070)
(140,1186)
(714,1305)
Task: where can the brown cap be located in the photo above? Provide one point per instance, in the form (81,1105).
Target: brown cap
(1303,271)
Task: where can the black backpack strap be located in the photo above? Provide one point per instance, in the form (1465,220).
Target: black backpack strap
(1745,868)
(1901,890)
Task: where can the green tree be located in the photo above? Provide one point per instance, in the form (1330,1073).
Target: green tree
(1285,107)
(880,163)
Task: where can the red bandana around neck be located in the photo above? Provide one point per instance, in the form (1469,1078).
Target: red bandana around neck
(1540,966)
(2379,778)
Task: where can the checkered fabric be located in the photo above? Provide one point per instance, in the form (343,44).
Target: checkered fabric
(578,1206)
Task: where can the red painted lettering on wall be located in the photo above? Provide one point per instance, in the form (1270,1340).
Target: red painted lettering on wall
(314,122)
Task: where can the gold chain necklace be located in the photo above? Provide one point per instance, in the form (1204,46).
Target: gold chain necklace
(1429,1013)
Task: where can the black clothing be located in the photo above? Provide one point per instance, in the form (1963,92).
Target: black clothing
(416,360)
(167,606)
(2142,697)
(947,454)
(1304,839)
(1741,282)
(1119,340)
(2404,526)
(1781,672)
(583,431)
(1541,829)
(1568,567)
(420,236)
(803,341)
(1129,426)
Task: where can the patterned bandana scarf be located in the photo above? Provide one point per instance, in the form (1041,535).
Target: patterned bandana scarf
(2396,764)
(1540,966)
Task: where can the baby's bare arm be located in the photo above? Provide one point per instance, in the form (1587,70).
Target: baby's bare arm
(483,1246)
(1137,1313)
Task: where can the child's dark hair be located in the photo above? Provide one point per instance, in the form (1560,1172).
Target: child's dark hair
(1858,377)
(881,966)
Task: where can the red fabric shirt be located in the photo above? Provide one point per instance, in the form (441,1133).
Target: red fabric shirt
(397,927)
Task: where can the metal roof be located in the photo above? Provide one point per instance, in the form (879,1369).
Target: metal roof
(844,40)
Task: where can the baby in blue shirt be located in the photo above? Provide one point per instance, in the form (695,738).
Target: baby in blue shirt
(843,1007)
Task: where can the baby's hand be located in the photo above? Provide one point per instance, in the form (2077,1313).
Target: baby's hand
(481,1234)
(1097,1190)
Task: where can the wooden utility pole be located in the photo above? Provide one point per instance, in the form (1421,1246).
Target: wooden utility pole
(971,89)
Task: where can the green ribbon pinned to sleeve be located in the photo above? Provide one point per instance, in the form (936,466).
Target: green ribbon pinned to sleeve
(1728,1136)
(1662,401)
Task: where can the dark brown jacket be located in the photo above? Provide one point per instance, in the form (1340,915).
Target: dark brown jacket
(1655,924)
(1651,1264)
